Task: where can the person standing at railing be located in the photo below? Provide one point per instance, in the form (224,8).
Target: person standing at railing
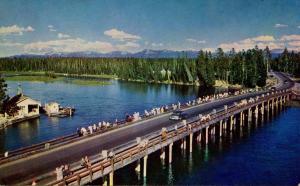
(59,173)
(79,132)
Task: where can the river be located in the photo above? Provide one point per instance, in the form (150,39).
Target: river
(93,104)
(265,155)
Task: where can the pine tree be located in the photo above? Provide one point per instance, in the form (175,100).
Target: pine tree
(3,96)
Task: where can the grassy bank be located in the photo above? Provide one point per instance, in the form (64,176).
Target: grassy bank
(42,77)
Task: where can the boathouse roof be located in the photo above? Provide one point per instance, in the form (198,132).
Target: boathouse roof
(21,97)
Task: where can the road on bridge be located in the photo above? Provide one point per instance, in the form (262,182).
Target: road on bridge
(27,168)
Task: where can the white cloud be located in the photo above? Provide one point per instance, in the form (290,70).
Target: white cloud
(67,45)
(77,45)
(15,29)
(263,38)
(209,49)
(61,35)
(51,28)
(260,41)
(294,43)
(290,37)
(278,25)
(128,46)
(10,44)
(196,41)
(121,35)
(157,44)
(298,26)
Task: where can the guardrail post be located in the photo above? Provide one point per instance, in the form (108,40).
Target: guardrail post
(170,152)
(111,174)
(191,142)
(145,166)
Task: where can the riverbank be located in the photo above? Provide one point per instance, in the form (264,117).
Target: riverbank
(55,77)
(91,79)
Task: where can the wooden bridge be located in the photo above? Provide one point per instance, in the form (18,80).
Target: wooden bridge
(117,147)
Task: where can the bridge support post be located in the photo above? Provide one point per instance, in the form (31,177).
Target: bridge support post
(221,128)
(225,125)
(272,107)
(170,152)
(163,154)
(111,178)
(104,181)
(184,143)
(277,104)
(249,115)
(199,137)
(234,122)
(241,119)
(231,122)
(268,109)
(256,112)
(262,110)
(191,142)
(145,166)
(206,135)
(138,167)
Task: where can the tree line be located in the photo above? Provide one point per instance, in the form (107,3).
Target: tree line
(287,62)
(247,68)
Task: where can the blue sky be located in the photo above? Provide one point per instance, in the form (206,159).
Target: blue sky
(45,26)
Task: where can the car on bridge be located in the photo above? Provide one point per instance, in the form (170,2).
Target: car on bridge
(178,115)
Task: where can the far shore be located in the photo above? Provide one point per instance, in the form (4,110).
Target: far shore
(93,79)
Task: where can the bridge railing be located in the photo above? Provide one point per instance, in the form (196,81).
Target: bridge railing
(47,145)
(157,139)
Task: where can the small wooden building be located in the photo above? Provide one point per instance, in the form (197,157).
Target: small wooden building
(27,106)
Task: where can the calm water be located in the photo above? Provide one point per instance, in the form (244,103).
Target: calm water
(92,103)
(266,155)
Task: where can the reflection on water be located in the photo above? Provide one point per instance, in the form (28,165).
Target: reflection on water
(170,175)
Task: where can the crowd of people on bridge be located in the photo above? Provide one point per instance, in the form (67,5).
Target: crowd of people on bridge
(84,131)
(64,170)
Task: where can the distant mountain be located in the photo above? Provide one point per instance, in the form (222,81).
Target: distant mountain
(147,53)
(276,52)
